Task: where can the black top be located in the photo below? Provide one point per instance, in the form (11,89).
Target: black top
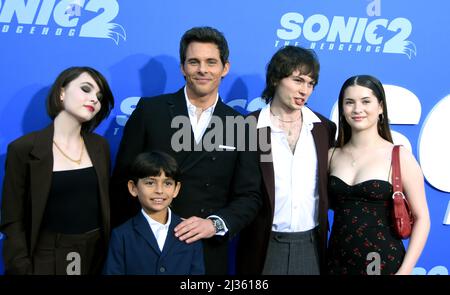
(73,203)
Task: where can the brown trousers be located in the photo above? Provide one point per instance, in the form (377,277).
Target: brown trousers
(68,254)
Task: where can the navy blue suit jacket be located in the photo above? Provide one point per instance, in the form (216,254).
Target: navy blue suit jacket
(133,250)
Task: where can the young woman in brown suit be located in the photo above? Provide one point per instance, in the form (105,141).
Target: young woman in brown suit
(55,203)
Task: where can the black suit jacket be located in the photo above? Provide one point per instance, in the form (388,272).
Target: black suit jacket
(220,182)
(254,239)
(28,176)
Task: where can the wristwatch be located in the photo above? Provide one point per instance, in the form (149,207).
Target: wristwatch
(218,224)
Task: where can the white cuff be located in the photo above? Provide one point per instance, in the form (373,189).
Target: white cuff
(225,228)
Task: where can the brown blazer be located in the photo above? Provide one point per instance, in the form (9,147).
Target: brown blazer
(254,239)
(28,176)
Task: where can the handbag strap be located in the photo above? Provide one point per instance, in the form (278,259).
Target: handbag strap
(396,172)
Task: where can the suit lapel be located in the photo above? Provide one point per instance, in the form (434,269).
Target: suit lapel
(170,239)
(177,107)
(141,225)
(266,162)
(41,169)
(94,149)
(320,136)
(177,104)
(199,151)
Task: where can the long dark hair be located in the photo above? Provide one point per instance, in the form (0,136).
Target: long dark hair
(345,131)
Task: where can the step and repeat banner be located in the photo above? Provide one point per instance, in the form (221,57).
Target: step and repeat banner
(134,43)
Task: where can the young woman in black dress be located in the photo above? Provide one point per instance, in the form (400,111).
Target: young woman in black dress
(360,188)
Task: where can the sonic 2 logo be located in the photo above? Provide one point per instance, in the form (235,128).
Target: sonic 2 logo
(347,34)
(33,18)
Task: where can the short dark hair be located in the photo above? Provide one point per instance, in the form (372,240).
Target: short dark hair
(151,164)
(345,131)
(204,35)
(55,105)
(286,61)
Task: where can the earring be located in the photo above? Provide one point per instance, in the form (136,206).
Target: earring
(381,118)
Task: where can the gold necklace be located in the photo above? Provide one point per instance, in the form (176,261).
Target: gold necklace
(69,158)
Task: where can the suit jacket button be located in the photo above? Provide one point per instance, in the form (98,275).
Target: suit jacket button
(162,269)
(213,158)
(207,184)
(202,210)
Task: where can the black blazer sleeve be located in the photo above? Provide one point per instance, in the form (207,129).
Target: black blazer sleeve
(245,194)
(14,215)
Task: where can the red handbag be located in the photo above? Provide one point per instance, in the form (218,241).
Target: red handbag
(401,213)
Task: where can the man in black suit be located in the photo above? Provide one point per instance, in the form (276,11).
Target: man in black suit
(220,191)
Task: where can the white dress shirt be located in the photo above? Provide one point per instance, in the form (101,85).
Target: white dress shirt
(159,230)
(199,124)
(296,191)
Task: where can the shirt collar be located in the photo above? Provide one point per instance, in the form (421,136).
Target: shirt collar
(264,118)
(154,223)
(192,108)
(309,118)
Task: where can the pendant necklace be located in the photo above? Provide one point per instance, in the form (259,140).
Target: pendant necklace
(353,158)
(77,161)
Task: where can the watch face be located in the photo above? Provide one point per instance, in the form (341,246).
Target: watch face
(217,225)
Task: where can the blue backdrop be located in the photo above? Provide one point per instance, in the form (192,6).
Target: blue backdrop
(135,45)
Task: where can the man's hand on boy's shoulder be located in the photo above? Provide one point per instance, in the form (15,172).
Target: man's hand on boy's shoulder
(195,228)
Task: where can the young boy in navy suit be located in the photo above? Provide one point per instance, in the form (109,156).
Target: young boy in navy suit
(146,244)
